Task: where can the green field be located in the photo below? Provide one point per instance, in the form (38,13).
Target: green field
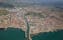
(3,12)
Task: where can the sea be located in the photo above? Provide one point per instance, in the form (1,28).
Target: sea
(18,34)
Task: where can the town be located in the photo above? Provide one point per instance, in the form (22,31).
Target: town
(40,19)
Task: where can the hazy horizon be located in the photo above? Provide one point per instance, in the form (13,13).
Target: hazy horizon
(55,3)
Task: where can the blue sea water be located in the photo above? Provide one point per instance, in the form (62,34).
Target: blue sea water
(12,34)
(18,34)
(49,36)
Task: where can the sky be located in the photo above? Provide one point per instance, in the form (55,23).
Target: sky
(30,1)
(35,2)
